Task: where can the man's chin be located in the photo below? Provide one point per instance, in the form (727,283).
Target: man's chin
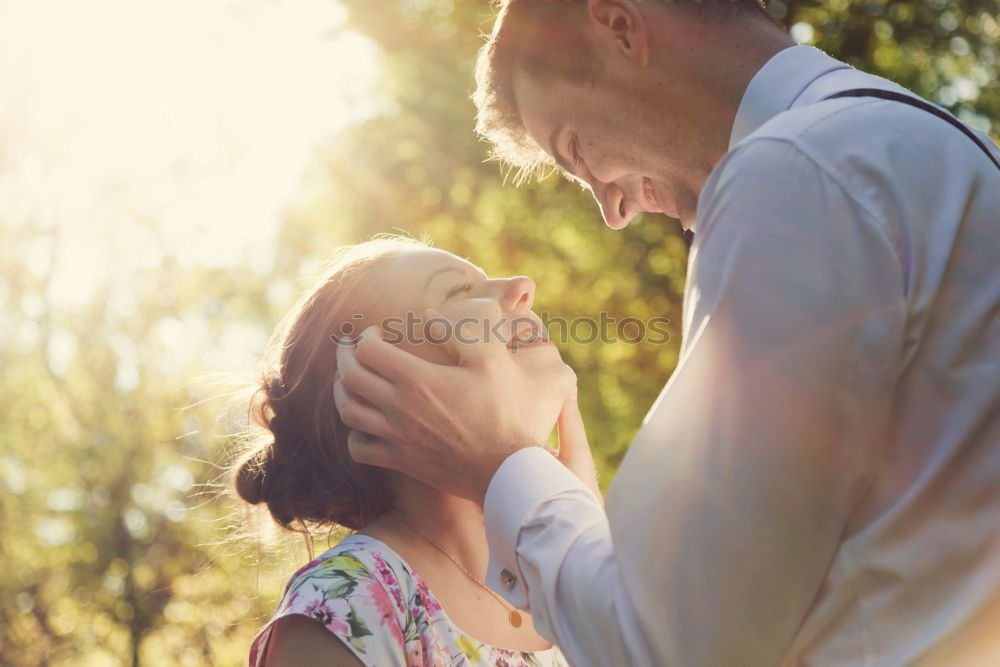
(686,205)
(687,219)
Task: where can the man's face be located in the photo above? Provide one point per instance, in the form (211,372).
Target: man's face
(597,140)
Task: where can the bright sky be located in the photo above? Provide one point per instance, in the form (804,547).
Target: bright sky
(189,120)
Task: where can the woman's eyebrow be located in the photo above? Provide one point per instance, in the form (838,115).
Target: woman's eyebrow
(440,271)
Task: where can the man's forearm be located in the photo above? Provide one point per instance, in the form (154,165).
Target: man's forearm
(551,551)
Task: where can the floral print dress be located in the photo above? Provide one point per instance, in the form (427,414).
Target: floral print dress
(368,597)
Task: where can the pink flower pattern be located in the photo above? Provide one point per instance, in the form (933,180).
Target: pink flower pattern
(389,580)
(429,603)
(370,598)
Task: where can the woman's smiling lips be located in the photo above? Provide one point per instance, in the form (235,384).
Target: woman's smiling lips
(520,344)
(528,333)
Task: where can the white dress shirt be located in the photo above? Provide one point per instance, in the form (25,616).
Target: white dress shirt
(819,482)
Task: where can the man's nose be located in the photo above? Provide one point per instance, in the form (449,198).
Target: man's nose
(518,294)
(611,199)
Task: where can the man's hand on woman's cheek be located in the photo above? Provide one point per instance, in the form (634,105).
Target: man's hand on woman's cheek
(448,426)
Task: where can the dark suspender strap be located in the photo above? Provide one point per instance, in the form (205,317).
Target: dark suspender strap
(920,104)
(905,99)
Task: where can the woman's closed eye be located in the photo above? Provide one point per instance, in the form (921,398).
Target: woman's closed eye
(459,289)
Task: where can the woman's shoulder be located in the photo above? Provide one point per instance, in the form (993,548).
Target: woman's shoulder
(357,591)
(366,595)
(354,560)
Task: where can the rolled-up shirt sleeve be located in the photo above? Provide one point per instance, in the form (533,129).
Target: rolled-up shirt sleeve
(551,551)
(735,495)
(525,480)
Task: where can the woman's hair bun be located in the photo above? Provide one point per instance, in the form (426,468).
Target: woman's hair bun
(298,463)
(274,388)
(254,476)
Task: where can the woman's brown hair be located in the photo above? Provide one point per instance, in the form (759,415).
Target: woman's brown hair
(296,460)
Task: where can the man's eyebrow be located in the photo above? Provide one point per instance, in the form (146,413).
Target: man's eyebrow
(440,271)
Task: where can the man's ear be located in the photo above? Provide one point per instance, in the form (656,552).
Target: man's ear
(621,24)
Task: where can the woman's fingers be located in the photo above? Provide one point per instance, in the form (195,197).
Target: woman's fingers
(572,434)
(360,415)
(574,450)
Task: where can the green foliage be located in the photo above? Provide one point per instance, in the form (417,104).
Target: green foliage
(114,550)
(941,49)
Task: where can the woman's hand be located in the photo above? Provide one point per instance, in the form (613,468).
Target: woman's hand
(574,451)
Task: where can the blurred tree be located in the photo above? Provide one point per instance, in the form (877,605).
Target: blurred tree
(111,555)
(106,555)
(942,49)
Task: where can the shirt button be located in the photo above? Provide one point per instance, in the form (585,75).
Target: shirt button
(507,579)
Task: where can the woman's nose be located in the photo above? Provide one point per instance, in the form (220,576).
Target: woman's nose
(518,294)
(611,199)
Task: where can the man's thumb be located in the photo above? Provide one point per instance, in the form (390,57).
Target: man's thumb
(462,340)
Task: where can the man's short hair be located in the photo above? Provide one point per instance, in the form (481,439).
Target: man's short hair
(554,49)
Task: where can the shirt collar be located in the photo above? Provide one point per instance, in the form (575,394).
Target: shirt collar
(777,86)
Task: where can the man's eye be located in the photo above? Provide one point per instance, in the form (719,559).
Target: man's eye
(574,154)
(459,289)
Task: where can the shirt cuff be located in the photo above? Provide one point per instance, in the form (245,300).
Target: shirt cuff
(522,483)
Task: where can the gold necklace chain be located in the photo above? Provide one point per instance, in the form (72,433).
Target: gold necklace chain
(513,615)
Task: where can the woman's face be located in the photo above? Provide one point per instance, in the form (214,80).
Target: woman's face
(412,282)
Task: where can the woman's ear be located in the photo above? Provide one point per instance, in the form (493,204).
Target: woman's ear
(621,24)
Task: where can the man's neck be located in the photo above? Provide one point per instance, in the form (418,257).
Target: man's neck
(706,72)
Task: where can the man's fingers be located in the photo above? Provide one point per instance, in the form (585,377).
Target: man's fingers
(358,415)
(469,341)
(358,380)
(369,450)
(387,360)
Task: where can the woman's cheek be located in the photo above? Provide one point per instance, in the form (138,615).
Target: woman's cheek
(479,320)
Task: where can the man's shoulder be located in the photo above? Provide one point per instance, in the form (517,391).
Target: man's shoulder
(855,130)
(804,165)
(866,145)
